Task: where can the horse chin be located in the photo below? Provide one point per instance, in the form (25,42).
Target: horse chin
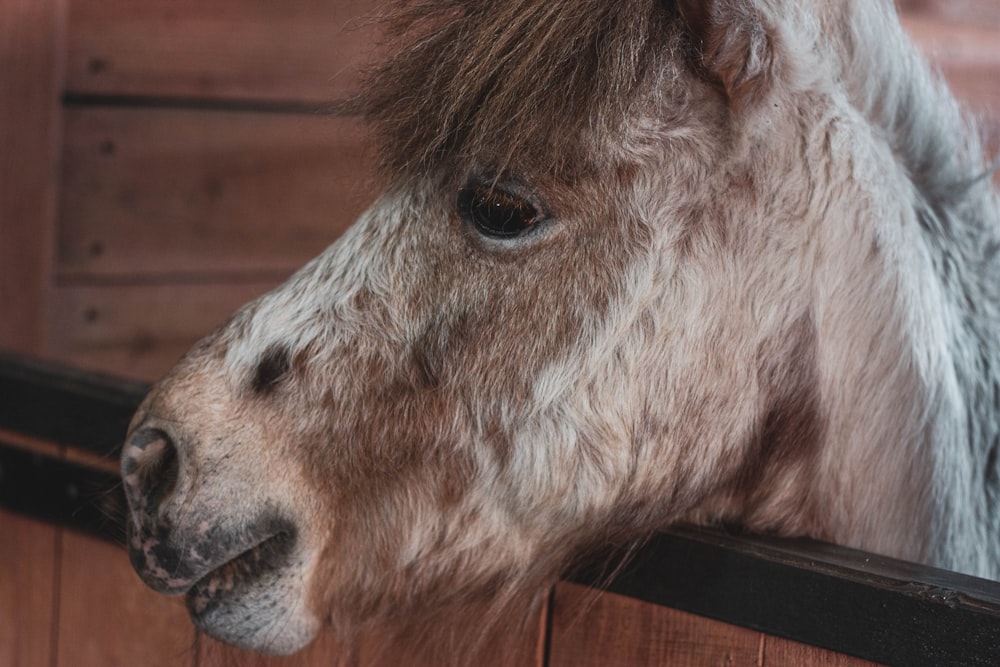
(256,601)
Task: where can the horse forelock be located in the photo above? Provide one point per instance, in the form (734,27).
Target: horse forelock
(511,82)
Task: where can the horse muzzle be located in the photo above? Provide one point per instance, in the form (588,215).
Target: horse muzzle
(238,561)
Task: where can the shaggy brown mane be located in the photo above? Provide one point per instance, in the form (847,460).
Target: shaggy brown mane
(516,82)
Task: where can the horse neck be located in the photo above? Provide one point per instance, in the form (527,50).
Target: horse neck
(930,404)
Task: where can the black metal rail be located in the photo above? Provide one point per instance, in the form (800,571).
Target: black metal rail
(69,494)
(844,600)
(66,406)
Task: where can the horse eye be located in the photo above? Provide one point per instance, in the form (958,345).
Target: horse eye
(496,212)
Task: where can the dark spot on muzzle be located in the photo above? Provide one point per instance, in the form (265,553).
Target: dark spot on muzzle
(257,564)
(273,366)
(160,563)
(172,560)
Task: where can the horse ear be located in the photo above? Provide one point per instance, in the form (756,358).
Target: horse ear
(730,46)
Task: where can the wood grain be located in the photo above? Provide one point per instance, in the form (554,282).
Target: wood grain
(294,50)
(140,331)
(971,12)
(31,51)
(108,618)
(171,192)
(27,589)
(784,653)
(372,651)
(597,629)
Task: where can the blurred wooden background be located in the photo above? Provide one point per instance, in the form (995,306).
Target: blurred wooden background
(161,163)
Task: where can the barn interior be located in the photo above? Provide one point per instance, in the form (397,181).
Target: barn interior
(162,163)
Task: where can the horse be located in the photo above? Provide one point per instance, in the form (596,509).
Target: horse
(635,263)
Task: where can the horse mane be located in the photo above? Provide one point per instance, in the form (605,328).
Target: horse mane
(890,81)
(957,210)
(942,148)
(514,82)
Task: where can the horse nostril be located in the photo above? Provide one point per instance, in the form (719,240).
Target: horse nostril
(149,469)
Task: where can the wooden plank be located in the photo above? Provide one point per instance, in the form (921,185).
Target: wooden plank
(973,12)
(31,32)
(170,192)
(592,629)
(27,589)
(140,331)
(107,616)
(779,652)
(309,50)
(302,50)
(27,443)
(844,600)
(371,651)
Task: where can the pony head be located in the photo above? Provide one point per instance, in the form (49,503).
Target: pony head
(632,266)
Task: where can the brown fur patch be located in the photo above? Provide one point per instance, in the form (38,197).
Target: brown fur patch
(510,80)
(793,422)
(274,365)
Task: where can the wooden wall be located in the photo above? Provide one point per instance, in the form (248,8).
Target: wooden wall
(197,168)
(162,163)
(187,169)
(174,162)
